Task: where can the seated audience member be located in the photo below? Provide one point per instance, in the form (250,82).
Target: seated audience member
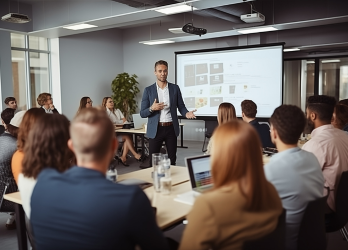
(49,138)
(328,144)
(243,205)
(11,102)
(84,210)
(340,117)
(117,118)
(295,173)
(226,113)
(249,111)
(29,119)
(8,145)
(45,101)
(85,102)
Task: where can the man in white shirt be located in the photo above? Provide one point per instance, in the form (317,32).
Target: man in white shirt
(159,104)
(295,173)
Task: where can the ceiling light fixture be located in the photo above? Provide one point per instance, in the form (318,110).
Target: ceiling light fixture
(156,42)
(176,30)
(175,9)
(309,62)
(80,26)
(291,49)
(256,30)
(331,61)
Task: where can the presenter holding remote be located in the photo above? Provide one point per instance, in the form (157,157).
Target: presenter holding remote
(159,103)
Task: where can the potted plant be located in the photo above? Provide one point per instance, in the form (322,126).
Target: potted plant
(124,88)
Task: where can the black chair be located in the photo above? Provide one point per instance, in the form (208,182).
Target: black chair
(312,234)
(272,241)
(209,129)
(340,218)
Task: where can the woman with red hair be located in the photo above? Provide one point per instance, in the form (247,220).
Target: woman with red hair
(243,205)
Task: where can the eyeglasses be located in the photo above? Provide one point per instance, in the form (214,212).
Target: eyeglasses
(90,102)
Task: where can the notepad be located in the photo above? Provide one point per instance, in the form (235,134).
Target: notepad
(187,198)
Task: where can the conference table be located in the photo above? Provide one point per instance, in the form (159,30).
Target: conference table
(169,212)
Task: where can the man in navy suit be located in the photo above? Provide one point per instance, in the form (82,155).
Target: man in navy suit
(80,208)
(159,103)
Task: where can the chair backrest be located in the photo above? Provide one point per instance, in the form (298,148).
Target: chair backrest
(341,199)
(272,241)
(312,233)
(210,127)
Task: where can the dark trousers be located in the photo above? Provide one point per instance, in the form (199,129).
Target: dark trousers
(164,134)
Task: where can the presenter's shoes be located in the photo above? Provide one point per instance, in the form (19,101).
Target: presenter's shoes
(145,164)
(140,159)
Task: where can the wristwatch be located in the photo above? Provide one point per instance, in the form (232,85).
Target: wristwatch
(151,110)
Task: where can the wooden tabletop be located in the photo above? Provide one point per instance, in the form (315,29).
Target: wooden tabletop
(14,197)
(178,175)
(136,131)
(169,212)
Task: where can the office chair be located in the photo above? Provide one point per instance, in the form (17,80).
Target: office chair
(272,241)
(312,233)
(340,217)
(209,129)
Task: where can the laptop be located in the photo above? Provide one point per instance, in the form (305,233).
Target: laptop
(199,170)
(139,121)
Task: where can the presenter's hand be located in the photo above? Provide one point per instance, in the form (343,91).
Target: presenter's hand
(158,106)
(51,106)
(191,115)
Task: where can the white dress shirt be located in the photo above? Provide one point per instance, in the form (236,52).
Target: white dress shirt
(48,111)
(116,117)
(163,96)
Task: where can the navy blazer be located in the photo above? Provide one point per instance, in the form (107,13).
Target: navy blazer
(176,102)
(80,209)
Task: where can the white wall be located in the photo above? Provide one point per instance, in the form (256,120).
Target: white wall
(5,67)
(88,64)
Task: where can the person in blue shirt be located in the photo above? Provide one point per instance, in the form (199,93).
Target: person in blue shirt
(80,208)
(295,173)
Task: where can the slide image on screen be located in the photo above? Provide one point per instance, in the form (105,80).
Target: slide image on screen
(232,75)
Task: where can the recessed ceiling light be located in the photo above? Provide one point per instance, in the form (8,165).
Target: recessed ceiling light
(156,42)
(175,9)
(291,49)
(176,30)
(331,61)
(256,30)
(80,26)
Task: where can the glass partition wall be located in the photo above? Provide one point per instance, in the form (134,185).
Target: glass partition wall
(304,78)
(30,68)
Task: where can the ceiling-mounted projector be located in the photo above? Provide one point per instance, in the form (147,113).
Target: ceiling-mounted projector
(253,18)
(15,18)
(189,28)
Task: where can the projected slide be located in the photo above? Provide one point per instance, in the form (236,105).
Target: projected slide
(207,79)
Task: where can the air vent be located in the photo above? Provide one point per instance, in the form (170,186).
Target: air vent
(15,18)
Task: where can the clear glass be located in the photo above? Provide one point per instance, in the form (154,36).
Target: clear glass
(158,170)
(333,77)
(39,75)
(19,79)
(38,43)
(17,40)
(111,175)
(298,82)
(166,165)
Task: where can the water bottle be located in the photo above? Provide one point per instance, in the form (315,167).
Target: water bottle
(111,175)
(158,170)
(166,165)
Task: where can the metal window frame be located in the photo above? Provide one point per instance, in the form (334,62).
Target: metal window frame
(27,50)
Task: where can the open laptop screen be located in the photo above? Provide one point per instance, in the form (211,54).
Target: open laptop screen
(199,169)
